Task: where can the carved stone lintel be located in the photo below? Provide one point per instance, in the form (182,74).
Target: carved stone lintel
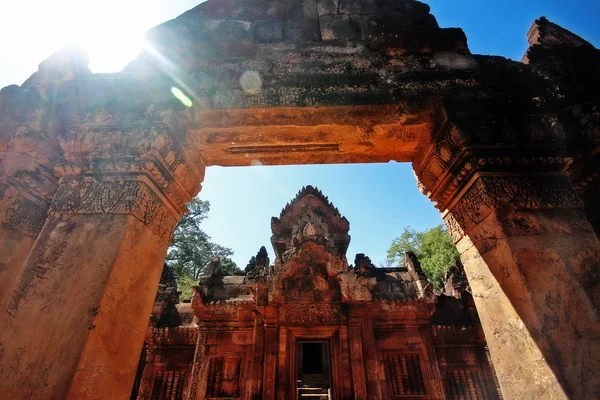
(311,314)
(489,192)
(111,197)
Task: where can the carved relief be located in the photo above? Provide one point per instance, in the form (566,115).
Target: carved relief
(270,363)
(311,314)
(197,366)
(358,372)
(437,378)
(310,239)
(371,363)
(146,384)
(490,192)
(171,336)
(356,288)
(258,350)
(134,198)
(21,213)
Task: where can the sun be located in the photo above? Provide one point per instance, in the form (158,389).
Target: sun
(112,31)
(115,33)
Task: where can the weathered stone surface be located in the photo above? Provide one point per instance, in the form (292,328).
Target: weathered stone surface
(268,30)
(525,251)
(340,27)
(80,355)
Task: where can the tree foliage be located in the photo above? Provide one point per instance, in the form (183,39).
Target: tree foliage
(192,249)
(433,247)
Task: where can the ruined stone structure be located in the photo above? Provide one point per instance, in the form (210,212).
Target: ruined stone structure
(96,169)
(312,327)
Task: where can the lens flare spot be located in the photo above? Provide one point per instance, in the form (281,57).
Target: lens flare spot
(251,82)
(179,95)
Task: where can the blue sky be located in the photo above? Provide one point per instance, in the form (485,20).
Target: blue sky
(378,199)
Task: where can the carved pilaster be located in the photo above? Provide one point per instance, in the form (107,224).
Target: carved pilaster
(270,371)
(146,382)
(257,366)
(358,366)
(198,368)
(371,362)
(142,170)
(438,386)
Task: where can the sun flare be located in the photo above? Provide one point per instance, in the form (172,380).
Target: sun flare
(112,31)
(115,33)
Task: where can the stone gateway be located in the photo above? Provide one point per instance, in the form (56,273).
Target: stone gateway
(96,169)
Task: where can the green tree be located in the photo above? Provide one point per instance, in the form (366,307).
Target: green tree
(433,247)
(192,249)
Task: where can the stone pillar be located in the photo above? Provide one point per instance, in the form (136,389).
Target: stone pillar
(147,380)
(436,377)
(529,252)
(371,362)
(257,364)
(532,261)
(356,355)
(270,371)
(90,282)
(74,324)
(196,383)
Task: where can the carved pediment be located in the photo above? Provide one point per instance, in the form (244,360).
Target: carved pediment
(310,239)
(310,217)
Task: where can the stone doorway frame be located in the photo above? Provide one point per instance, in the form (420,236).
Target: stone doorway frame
(329,334)
(325,358)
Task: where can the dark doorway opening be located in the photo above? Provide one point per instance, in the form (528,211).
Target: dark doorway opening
(312,358)
(313,366)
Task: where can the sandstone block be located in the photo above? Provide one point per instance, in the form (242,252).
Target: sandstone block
(302,22)
(351,7)
(452,60)
(328,7)
(248,10)
(268,30)
(340,27)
